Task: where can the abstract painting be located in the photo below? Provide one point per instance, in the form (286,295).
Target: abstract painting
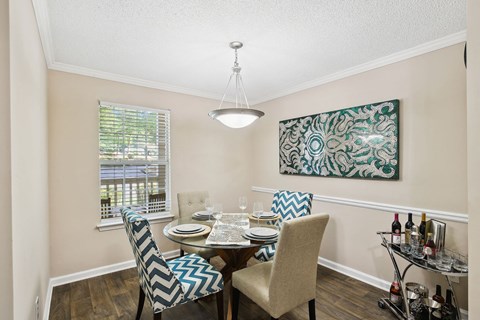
(357,142)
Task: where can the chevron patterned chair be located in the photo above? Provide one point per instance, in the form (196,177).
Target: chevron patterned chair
(289,205)
(168,283)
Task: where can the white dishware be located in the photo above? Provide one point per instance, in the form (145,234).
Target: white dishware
(190,227)
(242,203)
(263,232)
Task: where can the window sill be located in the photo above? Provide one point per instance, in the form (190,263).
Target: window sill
(117,223)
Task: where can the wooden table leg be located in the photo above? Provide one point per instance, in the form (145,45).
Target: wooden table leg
(235,259)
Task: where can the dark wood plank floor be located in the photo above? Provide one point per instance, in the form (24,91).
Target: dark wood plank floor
(114,296)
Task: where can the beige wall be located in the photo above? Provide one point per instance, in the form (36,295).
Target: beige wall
(433,173)
(29,145)
(6,274)
(205,155)
(473,136)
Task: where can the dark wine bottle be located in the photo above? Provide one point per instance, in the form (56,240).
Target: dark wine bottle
(437,297)
(408,228)
(395,294)
(422,229)
(396,231)
(449,312)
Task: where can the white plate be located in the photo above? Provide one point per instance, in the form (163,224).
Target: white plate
(262,232)
(201,213)
(265,215)
(190,227)
(250,237)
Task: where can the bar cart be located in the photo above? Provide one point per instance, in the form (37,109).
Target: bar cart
(393,251)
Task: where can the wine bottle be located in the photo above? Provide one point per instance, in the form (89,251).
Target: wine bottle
(430,249)
(408,228)
(437,297)
(422,229)
(449,312)
(395,294)
(396,231)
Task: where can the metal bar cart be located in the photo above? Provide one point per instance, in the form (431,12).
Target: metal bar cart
(394,250)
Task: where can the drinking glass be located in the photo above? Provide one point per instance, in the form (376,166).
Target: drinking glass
(209,208)
(257,211)
(242,203)
(217,212)
(460,263)
(444,260)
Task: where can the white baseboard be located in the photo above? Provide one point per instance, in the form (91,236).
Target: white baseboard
(82,275)
(365,278)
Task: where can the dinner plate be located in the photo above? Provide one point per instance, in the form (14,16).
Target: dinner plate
(201,232)
(189,228)
(265,215)
(250,237)
(260,232)
(201,213)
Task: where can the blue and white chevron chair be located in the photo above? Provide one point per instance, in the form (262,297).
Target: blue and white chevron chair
(289,205)
(168,283)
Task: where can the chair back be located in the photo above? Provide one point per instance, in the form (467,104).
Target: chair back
(158,282)
(191,202)
(294,270)
(291,205)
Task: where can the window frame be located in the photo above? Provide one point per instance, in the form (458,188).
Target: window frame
(155,217)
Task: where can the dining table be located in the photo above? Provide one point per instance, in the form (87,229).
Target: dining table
(228,237)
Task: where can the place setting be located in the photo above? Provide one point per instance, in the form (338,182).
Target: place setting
(261,234)
(189,230)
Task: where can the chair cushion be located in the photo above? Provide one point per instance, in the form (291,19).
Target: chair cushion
(197,277)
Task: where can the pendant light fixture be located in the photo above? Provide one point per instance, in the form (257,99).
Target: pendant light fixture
(240,116)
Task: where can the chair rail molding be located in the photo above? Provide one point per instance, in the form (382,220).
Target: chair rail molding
(445,215)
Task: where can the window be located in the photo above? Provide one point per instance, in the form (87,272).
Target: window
(134,159)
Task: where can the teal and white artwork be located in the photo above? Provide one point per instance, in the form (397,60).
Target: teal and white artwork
(357,142)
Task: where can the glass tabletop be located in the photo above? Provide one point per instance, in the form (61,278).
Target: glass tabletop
(229,225)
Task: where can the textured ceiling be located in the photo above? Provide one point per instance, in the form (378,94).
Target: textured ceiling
(184,44)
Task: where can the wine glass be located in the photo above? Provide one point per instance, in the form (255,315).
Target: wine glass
(257,211)
(217,212)
(242,203)
(209,208)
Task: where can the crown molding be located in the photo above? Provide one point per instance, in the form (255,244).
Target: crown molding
(132,80)
(41,13)
(43,22)
(427,47)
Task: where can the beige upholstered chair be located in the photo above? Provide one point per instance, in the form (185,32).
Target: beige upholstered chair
(289,280)
(189,203)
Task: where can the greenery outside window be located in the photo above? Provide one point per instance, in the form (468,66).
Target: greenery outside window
(134,153)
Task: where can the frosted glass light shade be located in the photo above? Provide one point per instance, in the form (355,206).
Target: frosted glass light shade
(236,117)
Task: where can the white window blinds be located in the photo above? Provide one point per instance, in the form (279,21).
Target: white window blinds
(134,159)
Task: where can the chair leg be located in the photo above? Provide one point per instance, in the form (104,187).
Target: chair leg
(272,318)
(235,302)
(157,316)
(182,253)
(219,296)
(311,309)
(141,301)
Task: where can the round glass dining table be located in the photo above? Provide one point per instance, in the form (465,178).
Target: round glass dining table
(234,255)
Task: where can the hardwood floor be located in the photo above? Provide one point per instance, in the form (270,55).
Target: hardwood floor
(115,296)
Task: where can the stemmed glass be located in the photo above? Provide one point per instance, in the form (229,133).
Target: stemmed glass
(217,212)
(242,203)
(257,211)
(209,208)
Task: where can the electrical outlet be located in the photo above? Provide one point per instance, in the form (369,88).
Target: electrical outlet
(37,309)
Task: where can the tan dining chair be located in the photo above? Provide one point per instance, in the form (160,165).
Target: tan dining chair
(289,280)
(188,204)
